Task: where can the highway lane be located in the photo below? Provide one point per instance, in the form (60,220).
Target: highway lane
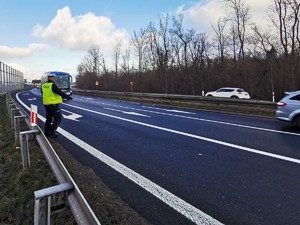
(206,159)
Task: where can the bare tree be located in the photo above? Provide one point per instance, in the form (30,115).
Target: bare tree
(172,59)
(160,49)
(116,54)
(139,43)
(89,68)
(93,58)
(126,61)
(221,38)
(198,51)
(287,24)
(240,20)
(184,37)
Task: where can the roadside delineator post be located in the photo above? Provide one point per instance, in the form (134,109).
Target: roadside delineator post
(34,115)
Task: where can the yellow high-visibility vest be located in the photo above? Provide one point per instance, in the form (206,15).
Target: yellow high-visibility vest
(49,97)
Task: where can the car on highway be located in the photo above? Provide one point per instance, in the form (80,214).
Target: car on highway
(288,108)
(229,92)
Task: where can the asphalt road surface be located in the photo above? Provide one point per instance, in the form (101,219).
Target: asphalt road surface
(185,166)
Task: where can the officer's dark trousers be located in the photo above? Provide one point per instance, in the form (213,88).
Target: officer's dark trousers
(53,119)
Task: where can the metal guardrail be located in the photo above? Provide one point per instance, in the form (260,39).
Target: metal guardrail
(250,106)
(177,97)
(79,206)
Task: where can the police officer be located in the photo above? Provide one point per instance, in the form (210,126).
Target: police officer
(52,96)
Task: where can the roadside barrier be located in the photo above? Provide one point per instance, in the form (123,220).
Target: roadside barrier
(244,106)
(66,192)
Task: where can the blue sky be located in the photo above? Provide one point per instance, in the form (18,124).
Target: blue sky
(42,35)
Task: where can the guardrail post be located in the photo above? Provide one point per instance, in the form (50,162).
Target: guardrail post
(25,136)
(50,200)
(18,120)
(13,114)
(10,107)
(8,102)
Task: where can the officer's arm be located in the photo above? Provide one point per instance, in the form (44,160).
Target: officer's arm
(56,90)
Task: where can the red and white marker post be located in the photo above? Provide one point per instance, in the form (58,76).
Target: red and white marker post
(34,115)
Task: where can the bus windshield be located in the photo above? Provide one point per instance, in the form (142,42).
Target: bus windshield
(62,81)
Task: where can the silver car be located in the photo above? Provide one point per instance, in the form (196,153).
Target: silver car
(288,108)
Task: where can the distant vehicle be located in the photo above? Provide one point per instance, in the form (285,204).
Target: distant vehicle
(229,92)
(288,108)
(62,79)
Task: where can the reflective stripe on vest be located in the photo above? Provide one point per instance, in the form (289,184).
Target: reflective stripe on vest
(49,97)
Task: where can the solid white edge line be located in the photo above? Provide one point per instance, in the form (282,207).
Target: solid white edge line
(178,204)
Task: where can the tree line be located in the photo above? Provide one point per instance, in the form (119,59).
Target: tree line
(169,58)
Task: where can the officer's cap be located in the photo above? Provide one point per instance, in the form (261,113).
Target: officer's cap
(51,75)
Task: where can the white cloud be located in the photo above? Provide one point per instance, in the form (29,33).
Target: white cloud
(28,73)
(202,15)
(16,52)
(80,32)
(259,11)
